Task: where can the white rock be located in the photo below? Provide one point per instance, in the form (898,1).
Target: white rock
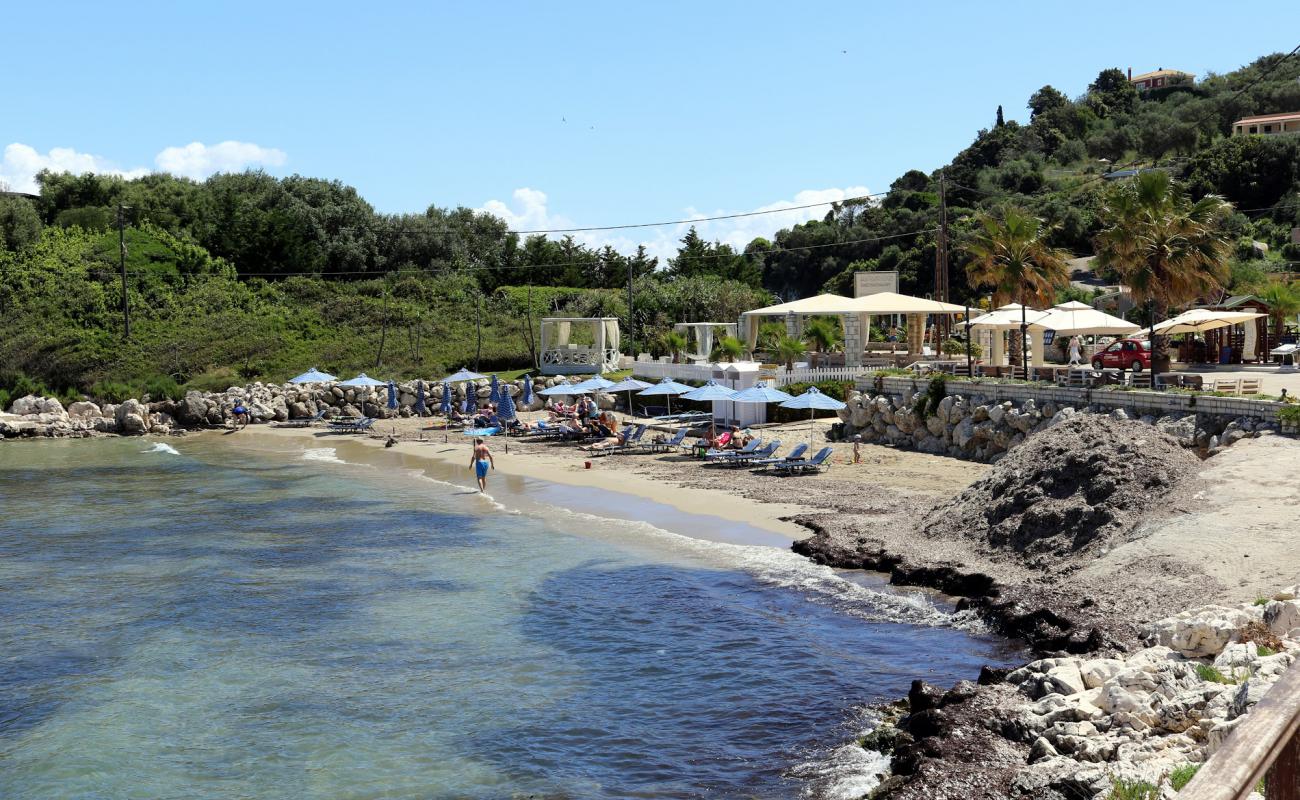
(1282,616)
(1065,679)
(1098,670)
(84,410)
(1201,632)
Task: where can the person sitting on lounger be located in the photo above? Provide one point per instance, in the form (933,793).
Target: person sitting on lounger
(613,440)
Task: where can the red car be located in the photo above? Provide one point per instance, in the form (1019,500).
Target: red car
(1134,354)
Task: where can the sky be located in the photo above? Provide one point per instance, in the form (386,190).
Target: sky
(559,115)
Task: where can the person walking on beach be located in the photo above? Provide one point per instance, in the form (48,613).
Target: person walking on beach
(480,460)
(1075,358)
(241,415)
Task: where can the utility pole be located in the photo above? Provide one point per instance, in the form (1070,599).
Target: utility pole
(631,326)
(383,330)
(943,328)
(121,257)
(478,324)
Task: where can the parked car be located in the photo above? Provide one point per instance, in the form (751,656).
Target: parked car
(1134,354)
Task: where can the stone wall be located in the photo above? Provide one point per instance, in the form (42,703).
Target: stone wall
(968,423)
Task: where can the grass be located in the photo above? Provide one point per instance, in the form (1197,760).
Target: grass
(1211,674)
(1183,775)
(1121,789)
(1265,651)
(1261,601)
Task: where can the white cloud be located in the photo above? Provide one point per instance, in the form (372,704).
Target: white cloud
(21,162)
(530,211)
(198,160)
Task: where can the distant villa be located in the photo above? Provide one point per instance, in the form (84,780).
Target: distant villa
(1267,124)
(1159,79)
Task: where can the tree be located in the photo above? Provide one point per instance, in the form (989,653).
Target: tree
(1010,253)
(1168,250)
(1111,93)
(1045,100)
(674,342)
(20,225)
(730,348)
(788,349)
(1283,304)
(1000,121)
(822,334)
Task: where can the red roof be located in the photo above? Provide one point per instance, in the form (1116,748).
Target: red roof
(1269,117)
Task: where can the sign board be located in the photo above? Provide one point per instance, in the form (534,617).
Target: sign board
(865,283)
(767,372)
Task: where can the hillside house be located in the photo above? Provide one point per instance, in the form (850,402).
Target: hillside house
(1267,124)
(1159,79)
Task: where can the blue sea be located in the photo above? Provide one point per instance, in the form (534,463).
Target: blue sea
(195,619)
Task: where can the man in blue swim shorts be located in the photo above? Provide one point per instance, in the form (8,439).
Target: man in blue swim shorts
(481,460)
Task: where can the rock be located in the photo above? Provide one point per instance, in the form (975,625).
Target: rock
(1041,749)
(1065,679)
(26,406)
(1200,632)
(1097,671)
(1282,616)
(84,410)
(1246,696)
(997,412)
(132,418)
(922,696)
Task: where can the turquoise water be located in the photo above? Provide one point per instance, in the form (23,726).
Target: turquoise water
(215,623)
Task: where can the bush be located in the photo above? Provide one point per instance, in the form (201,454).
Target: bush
(162,387)
(1211,674)
(1183,775)
(957,347)
(1121,789)
(111,392)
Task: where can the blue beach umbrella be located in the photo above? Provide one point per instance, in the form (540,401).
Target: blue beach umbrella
(563,390)
(595,384)
(506,410)
(495,396)
(629,385)
(761,393)
(814,401)
(666,388)
(313,375)
(420,408)
(710,391)
(527,396)
(445,407)
(363,381)
(466,404)
(392,396)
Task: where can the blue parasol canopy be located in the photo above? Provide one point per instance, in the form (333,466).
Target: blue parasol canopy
(392,396)
(470,399)
(463,375)
(667,386)
(813,400)
(420,408)
(506,409)
(445,406)
(761,393)
(563,390)
(629,385)
(363,380)
(527,396)
(495,396)
(313,375)
(710,391)
(596,384)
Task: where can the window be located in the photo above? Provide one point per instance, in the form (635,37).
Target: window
(1129,347)
(1268,129)
(1254,129)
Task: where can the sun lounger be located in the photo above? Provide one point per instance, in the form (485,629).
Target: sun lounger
(766,451)
(305,422)
(1249,386)
(352,425)
(726,455)
(672,443)
(802,465)
(1227,385)
(795,454)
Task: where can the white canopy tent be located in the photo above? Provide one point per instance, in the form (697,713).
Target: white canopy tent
(856,313)
(1009,318)
(1199,320)
(1079,319)
(561,356)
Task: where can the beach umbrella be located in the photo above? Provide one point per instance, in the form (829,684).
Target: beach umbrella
(1077,319)
(392,396)
(761,393)
(629,385)
(506,410)
(814,401)
(466,404)
(363,381)
(563,390)
(445,406)
(596,384)
(463,375)
(313,375)
(526,397)
(419,399)
(494,397)
(1199,320)
(666,388)
(709,391)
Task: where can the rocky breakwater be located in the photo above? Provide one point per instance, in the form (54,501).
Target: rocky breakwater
(962,427)
(1075,727)
(266,402)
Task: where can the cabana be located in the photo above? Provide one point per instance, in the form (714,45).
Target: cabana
(699,337)
(856,313)
(598,351)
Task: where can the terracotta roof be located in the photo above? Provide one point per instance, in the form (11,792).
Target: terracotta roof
(1161,72)
(1269,117)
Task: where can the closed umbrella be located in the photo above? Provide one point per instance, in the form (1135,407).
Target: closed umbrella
(313,375)
(506,410)
(419,399)
(814,401)
(466,404)
(666,388)
(629,385)
(527,396)
(494,396)
(445,406)
(392,396)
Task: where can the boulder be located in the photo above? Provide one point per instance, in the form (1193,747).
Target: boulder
(132,418)
(84,410)
(1282,616)
(1097,671)
(26,406)
(1200,632)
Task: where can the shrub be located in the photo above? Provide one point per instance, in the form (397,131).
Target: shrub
(1265,651)
(1256,631)
(1182,775)
(162,387)
(957,347)
(111,392)
(1211,674)
(1121,789)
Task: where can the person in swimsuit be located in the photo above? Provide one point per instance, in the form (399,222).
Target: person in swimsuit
(241,415)
(481,460)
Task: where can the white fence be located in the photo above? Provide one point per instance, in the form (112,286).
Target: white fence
(657,370)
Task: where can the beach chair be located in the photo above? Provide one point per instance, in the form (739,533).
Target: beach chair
(801,465)
(795,454)
(1227,385)
(631,442)
(766,451)
(667,445)
(347,425)
(726,455)
(1195,382)
(305,422)
(1249,386)
(1140,380)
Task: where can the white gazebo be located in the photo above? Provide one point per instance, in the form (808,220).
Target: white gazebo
(856,313)
(596,353)
(699,337)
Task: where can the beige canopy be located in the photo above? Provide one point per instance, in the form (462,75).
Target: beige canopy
(1198,320)
(1078,319)
(884,303)
(821,304)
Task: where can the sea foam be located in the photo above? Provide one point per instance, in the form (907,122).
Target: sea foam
(160,447)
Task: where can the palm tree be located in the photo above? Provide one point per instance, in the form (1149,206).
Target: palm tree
(1168,250)
(730,348)
(822,335)
(674,342)
(788,349)
(769,333)
(1010,254)
(1283,304)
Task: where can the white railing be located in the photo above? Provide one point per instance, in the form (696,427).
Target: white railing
(657,370)
(580,357)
